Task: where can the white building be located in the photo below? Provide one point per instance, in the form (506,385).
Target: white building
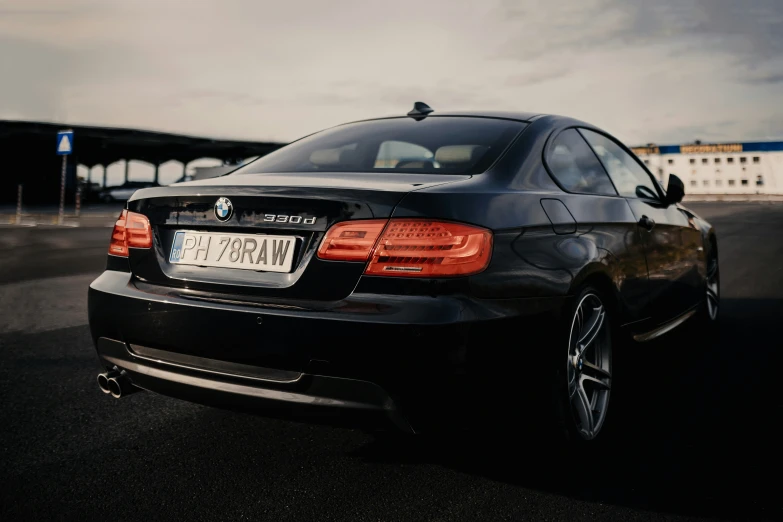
(719,168)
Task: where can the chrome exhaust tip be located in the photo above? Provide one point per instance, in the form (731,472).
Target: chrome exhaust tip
(120,386)
(103,380)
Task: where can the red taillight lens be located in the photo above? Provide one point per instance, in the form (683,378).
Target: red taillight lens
(409,247)
(351,240)
(118,245)
(138,231)
(131,230)
(422,248)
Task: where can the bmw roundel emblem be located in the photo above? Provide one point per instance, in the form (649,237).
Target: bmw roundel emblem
(223,209)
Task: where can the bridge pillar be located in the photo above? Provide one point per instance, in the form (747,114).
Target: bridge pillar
(157,167)
(127,164)
(105,168)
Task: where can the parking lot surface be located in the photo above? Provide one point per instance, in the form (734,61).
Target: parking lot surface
(701,441)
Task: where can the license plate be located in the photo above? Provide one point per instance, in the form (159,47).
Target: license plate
(245,251)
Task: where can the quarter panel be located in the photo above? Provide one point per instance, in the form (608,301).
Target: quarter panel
(529,259)
(606,241)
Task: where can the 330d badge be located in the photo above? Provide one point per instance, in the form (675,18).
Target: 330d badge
(294,220)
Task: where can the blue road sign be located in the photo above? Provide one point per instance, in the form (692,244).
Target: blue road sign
(64,142)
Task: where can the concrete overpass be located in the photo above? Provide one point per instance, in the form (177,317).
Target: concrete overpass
(27,155)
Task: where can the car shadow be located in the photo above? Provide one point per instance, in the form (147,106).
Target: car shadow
(694,433)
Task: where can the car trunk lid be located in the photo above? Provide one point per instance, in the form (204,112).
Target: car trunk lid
(269,207)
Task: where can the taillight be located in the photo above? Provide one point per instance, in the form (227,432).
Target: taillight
(131,230)
(410,247)
(423,248)
(118,245)
(138,231)
(351,240)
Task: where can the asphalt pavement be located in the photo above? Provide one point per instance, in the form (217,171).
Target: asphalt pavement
(701,440)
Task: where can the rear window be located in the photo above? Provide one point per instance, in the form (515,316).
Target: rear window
(448,145)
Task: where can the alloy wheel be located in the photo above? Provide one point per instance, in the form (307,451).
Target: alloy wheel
(589,366)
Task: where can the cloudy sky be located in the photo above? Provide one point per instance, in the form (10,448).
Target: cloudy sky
(647,70)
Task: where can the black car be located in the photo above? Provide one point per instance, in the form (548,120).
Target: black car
(417,271)
(123,192)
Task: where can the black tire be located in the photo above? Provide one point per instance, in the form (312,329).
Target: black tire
(706,326)
(571,420)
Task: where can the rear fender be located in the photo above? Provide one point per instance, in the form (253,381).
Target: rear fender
(539,263)
(605,275)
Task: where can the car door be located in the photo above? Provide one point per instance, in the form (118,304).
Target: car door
(671,240)
(595,212)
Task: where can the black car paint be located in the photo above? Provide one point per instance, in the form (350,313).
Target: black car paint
(327,318)
(328,199)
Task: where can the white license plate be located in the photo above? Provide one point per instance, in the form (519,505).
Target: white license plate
(245,251)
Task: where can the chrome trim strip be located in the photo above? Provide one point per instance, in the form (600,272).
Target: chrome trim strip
(242,303)
(671,325)
(213,366)
(239,389)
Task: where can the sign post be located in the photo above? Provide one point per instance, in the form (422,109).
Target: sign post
(64,148)
(19,205)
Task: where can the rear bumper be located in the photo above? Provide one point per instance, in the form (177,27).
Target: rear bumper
(406,359)
(314,397)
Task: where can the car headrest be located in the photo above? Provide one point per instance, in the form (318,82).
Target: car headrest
(561,159)
(457,155)
(415,164)
(334,157)
(325,157)
(349,157)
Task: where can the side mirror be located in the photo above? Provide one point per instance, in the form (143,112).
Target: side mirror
(675,191)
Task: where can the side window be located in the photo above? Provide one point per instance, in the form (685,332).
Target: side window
(575,166)
(628,176)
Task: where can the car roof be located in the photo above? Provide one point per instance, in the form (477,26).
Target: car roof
(508,115)
(528,117)
(518,115)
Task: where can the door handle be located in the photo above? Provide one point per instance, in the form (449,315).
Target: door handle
(647,222)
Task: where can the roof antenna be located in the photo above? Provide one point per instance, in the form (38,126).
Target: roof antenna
(420,111)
